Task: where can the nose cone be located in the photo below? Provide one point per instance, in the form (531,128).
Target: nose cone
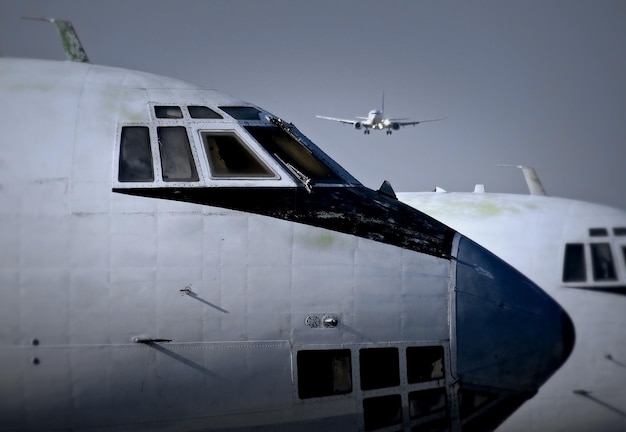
(510,334)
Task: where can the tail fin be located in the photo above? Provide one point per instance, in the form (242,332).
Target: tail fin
(532,179)
(71,44)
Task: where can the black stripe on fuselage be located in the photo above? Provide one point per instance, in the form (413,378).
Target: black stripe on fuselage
(354,210)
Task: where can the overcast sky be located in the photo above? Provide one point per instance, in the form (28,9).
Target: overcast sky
(534,82)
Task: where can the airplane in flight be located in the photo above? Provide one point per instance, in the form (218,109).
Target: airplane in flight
(576,251)
(376,120)
(174,259)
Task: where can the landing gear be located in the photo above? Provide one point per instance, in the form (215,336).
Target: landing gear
(366,131)
(388,132)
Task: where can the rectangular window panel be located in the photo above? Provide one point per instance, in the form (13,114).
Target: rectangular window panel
(424,363)
(242,112)
(426,402)
(602,260)
(380,368)
(574,263)
(135,164)
(202,112)
(168,112)
(176,159)
(598,232)
(383,411)
(324,373)
(231,158)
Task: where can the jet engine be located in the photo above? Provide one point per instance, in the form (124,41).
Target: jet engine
(357,125)
(395,126)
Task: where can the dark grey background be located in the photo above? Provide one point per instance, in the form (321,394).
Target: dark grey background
(538,83)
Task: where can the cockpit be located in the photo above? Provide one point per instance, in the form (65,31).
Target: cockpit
(199,146)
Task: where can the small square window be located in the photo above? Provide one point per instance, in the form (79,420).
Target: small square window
(380,368)
(424,363)
(598,232)
(242,112)
(202,112)
(324,373)
(382,411)
(168,112)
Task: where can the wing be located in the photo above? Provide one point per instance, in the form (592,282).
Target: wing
(345,121)
(412,123)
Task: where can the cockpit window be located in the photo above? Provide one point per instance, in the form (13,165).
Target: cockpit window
(242,112)
(135,164)
(598,232)
(177,161)
(230,158)
(574,265)
(168,112)
(202,112)
(619,231)
(602,260)
(297,159)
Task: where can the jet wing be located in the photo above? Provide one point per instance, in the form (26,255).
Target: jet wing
(412,123)
(345,121)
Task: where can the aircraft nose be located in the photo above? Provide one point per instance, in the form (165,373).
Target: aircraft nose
(510,334)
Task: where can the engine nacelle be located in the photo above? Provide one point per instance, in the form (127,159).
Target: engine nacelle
(395,126)
(358,125)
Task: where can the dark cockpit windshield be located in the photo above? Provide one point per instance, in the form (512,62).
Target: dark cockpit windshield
(298,159)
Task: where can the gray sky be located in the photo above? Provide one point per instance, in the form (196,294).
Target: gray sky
(533,82)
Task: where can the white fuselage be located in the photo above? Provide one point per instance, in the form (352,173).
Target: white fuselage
(531,233)
(176,259)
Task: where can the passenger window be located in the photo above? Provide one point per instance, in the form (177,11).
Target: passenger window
(574,263)
(382,411)
(242,112)
(380,368)
(426,402)
(292,154)
(424,363)
(176,159)
(602,260)
(229,157)
(202,112)
(168,112)
(135,164)
(324,373)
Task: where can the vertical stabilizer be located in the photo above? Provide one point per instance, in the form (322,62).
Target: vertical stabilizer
(532,179)
(71,44)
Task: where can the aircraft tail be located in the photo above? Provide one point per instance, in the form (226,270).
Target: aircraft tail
(532,180)
(71,44)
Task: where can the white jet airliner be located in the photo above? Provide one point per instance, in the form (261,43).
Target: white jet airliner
(177,259)
(576,251)
(376,120)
